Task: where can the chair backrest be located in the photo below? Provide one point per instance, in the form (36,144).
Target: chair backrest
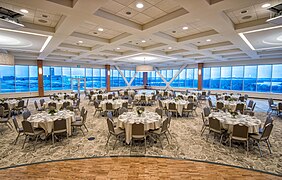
(36,105)
(82,111)
(6,106)
(219,105)
(171,106)
(143,98)
(159,111)
(210,102)
(214,124)
(242,98)
(269,120)
(70,108)
(60,124)
(21,103)
(240,107)
(270,101)
(110,115)
(15,122)
(96,104)
(138,130)
(1,111)
(109,106)
(190,106)
(27,128)
(130,99)
(160,104)
(42,101)
(246,96)
(125,105)
(250,104)
(66,104)
(84,117)
(110,96)
(165,93)
(26,114)
(122,110)
(52,104)
(280,106)
(254,105)
(226,97)
(165,125)
(204,93)
(241,131)
(110,124)
(266,131)
(206,111)
(99,97)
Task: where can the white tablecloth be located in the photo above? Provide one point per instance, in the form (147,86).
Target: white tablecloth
(180,104)
(185,97)
(12,103)
(116,103)
(130,92)
(59,104)
(227,121)
(234,96)
(46,121)
(148,97)
(151,120)
(161,92)
(231,105)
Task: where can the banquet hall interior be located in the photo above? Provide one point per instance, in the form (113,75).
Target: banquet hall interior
(141,89)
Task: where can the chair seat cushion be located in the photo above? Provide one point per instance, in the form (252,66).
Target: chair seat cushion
(118,131)
(157,131)
(77,123)
(255,136)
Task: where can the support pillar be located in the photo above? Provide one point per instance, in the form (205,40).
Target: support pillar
(108,77)
(200,76)
(40,78)
(145,79)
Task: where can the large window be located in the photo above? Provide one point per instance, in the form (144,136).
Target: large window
(250,78)
(189,78)
(22,78)
(46,78)
(7,76)
(195,81)
(56,78)
(237,77)
(206,77)
(33,78)
(277,78)
(97,78)
(264,78)
(215,77)
(66,78)
(89,78)
(225,82)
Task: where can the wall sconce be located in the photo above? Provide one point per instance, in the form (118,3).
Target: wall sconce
(40,70)
(108,72)
(200,72)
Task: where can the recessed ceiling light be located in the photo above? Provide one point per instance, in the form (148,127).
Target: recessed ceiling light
(208,40)
(24,11)
(139,5)
(118,48)
(80,42)
(185,28)
(279,38)
(169,47)
(143,41)
(100,29)
(266,5)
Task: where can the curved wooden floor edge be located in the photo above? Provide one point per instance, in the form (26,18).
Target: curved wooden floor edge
(131,167)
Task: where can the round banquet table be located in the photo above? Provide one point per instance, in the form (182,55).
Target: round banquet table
(161,92)
(227,121)
(180,104)
(231,105)
(148,97)
(116,103)
(234,96)
(151,120)
(130,92)
(185,97)
(12,103)
(104,96)
(46,121)
(59,104)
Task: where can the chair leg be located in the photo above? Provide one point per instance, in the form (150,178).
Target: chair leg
(53,138)
(221,136)
(259,149)
(160,142)
(95,112)
(166,138)
(108,139)
(268,145)
(115,143)
(24,141)
(82,131)
(16,140)
(35,142)
(145,144)
(130,146)
(85,127)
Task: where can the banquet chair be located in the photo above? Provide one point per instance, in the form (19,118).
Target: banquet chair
(109,107)
(19,108)
(279,108)
(189,109)
(65,104)
(110,96)
(250,105)
(97,108)
(172,108)
(36,107)
(117,132)
(91,100)
(125,105)
(76,104)
(70,108)
(4,119)
(60,126)
(159,111)
(99,97)
(81,113)
(165,94)
(215,127)
(4,111)
(142,100)
(212,107)
(240,108)
(41,101)
(26,114)
(138,133)
(205,114)
(28,131)
(26,105)
(130,103)
(6,107)
(268,120)
(263,137)
(246,96)
(122,110)
(240,132)
(250,112)
(18,129)
(81,123)
(271,106)
(219,105)
(241,98)
(161,131)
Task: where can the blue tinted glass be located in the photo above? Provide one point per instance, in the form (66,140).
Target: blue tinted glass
(195,81)
(250,78)
(181,78)
(237,77)
(7,76)
(189,78)
(22,79)
(206,77)
(264,78)
(66,77)
(277,78)
(97,78)
(103,78)
(89,78)
(33,78)
(215,77)
(56,78)
(77,72)
(46,78)
(225,82)
(175,82)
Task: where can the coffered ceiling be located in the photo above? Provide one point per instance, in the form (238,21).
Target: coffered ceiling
(176,31)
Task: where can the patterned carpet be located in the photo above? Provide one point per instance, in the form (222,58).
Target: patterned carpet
(186,142)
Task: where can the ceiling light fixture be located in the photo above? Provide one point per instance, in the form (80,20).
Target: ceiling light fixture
(100,29)
(139,5)
(266,5)
(143,41)
(24,11)
(144,67)
(185,28)
(208,40)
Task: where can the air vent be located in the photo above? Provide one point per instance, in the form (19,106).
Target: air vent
(276,15)
(9,19)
